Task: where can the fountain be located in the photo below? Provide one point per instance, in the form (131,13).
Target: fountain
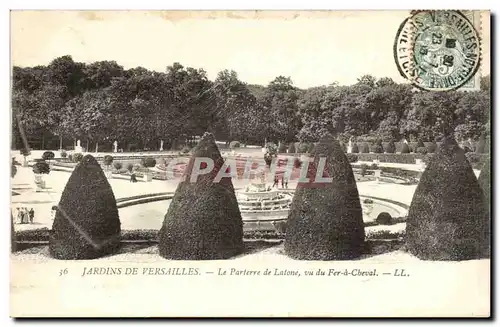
(261,206)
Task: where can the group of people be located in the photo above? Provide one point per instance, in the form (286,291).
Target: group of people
(25,216)
(284,182)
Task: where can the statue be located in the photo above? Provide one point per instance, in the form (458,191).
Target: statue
(349,147)
(115,146)
(78,147)
(161,145)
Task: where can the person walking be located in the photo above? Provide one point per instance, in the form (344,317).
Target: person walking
(283,181)
(31,215)
(286,182)
(276,181)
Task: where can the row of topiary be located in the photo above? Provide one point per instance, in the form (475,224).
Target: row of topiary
(448,218)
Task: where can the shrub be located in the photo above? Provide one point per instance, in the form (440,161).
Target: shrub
(302,148)
(364,168)
(368,201)
(148,162)
(291,148)
(234,145)
(374,166)
(384,218)
(25,152)
(405,148)
(185,149)
(481,144)
(48,155)
(77,157)
(377,147)
(86,225)
(447,218)
(41,167)
(64,154)
(364,148)
(271,148)
(419,144)
(282,148)
(108,160)
(118,165)
(130,167)
(431,147)
(390,147)
(203,221)
(325,221)
(13,244)
(427,158)
(355,148)
(422,150)
(351,157)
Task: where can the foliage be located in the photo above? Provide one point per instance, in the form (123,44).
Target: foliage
(108,160)
(384,218)
(101,101)
(302,148)
(130,167)
(234,145)
(86,225)
(282,148)
(374,166)
(364,148)
(77,157)
(41,167)
(421,150)
(405,148)
(48,155)
(203,221)
(431,147)
(271,149)
(447,218)
(364,168)
(118,165)
(390,147)
(64,154)
(148,162)
(351,157)
(377,147)
(25,152)
(325,221)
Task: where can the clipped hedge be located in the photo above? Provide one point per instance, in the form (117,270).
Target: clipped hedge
(86,225)
(234,145)
(203,221)
(325,221)
(447,219)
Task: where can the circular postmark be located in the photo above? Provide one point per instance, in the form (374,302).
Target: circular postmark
(437,50)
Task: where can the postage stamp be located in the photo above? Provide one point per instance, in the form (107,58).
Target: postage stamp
(249,164)
(440,50)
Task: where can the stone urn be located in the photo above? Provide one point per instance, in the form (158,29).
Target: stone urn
(148,176)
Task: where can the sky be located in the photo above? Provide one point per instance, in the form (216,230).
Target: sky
(313,48)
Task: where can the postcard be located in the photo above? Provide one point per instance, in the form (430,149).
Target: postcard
(250,164)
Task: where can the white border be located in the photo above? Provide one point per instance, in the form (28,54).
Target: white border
(185,4)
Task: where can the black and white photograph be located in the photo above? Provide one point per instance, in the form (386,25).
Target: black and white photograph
(250,163)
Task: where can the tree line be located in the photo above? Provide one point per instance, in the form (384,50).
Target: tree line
(101,102)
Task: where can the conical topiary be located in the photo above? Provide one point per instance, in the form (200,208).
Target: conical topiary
(485,183)
(447,218)
(203,221)
(325,221)
(13,244)
(86,225)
